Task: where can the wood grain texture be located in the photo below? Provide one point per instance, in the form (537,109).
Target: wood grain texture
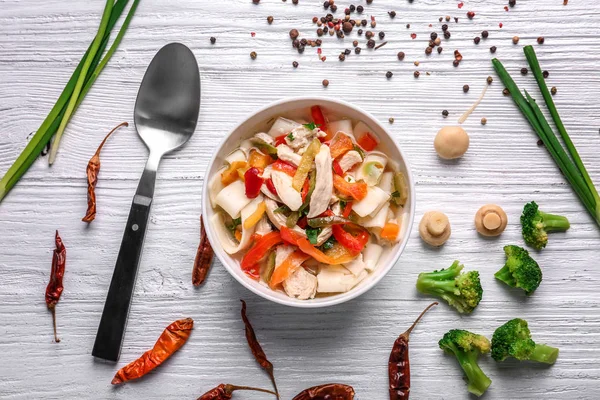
(42,41)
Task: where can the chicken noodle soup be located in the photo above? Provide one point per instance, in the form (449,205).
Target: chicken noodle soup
(309,206)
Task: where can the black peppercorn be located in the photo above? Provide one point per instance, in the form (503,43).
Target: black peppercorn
(485,34)
(445,27)
(445,113)
(407,26)
(447,35)
(428,50)
(303,42)
(360,32)
(493,49)
(389,74)
(320,32)
(401,55)
(381,35)
(524,71)
(352,7)
(253,55)
(294,34)
(545,74)
(255,1)
(433,35)
(512,2)
(213,40)
(490,80)
(477,40)
(357,50)
(300,49)
(325,82)
(295,43)
(465,88)
(347,11)
(347,27)
(369,34)
(270,19)
(416,74)
(333,8)
(325,29)
(540,142)
(540,40)
(506,92)
(360,9)
(326,4)
(318,42)
(295,64)
(455,63)
(294,2)
(369,1)
(432,43)
(392,14)
(342,57)
(440,49)
(371,43)
(363,22)
(347,51)
(340,34)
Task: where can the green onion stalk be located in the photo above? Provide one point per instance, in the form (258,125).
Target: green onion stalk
(53,120)
(573,169)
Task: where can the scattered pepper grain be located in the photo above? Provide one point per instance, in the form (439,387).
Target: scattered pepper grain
(553,90)
(253,55)
(483,121)
(389,74)
(213,40)
(416,74)
(445,113)
(465,88)
(325,82)
(401,55)
(515,39)
(493,49)
(540,40)
(524,71)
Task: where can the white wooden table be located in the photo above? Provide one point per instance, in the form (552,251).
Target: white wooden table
(41,41)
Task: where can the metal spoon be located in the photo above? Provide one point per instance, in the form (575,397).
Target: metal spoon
(166,113)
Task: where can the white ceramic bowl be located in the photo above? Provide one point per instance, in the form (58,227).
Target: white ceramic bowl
(297,108)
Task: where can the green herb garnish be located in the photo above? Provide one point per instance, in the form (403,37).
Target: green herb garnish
(311,126)
(313,234)
(328,245)
(290,136)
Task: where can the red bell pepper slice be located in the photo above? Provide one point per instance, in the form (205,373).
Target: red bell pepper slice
(271,186)
(286,167)
(253,181)
(289,236)
(337,168)
(280,140)
(353,243)
(340,145)
(319,119)
(347,210)
(368,142)
(260,249)
(304,191)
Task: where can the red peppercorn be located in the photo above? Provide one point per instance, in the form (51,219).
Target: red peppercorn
(470,14)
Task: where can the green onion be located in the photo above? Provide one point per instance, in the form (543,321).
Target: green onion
(50,125)
(534,115)
(81,80)
(539,77)
(321,222)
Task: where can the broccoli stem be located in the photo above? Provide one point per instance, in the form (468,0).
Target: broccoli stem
(554,223)
(505,276)
(427,284)
(478,380)
(544,354)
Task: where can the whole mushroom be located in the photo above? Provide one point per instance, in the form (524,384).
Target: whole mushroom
(434,228)
(490,220)
(451,142)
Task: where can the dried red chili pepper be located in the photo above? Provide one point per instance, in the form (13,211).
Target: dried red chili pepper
(256,348)
(330,391)
(225,392)
(204,257)
(55,286)
(399,365)
(171,340)
(92,177)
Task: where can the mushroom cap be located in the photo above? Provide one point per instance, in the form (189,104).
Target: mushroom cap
(490,220)
(434,228)
(451,142)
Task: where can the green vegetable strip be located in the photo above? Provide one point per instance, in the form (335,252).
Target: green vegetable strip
(580,186)
(52,121)
(81,80)
(527,111)
(539,77)
(98,70)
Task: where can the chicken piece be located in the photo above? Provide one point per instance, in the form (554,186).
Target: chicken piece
(299,138)
(349,160)
(263,227)
(356,266)
(264,137)
(301,285)
(283,185)
(337,279)
(321,196)
(285,153)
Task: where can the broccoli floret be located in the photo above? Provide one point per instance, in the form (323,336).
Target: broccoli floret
(537,224)
(520,270)
(461,291)
(467,346)
(513,339)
